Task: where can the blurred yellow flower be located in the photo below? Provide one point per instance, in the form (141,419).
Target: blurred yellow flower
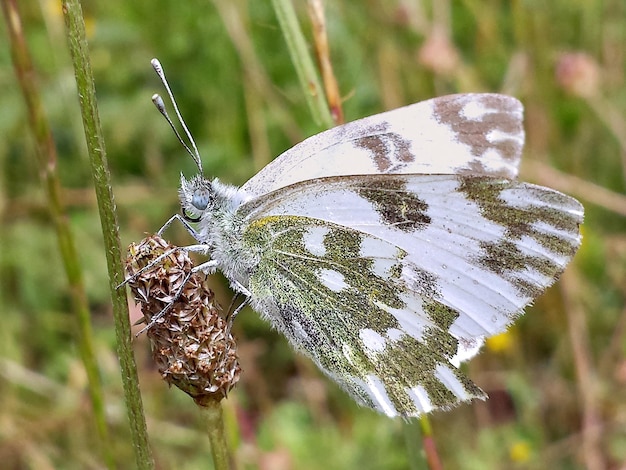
(502,342)
(520,452)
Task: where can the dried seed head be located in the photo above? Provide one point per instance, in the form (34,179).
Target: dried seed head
(191,343)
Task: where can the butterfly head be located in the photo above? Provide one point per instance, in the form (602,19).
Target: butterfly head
(196,197)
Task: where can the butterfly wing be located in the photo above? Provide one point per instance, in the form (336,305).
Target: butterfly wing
(337,295)
(479,134)
(389,281)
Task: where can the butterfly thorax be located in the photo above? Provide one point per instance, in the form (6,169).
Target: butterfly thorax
(213,206)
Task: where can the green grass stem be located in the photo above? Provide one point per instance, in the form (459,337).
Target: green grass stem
(301,58)
(75,28)
(214,419)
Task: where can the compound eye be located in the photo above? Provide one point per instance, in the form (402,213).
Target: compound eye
(188,218)
(200,199)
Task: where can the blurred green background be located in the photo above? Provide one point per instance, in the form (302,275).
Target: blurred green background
(556,379)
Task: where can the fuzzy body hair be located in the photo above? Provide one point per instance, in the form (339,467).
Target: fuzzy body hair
(220,226)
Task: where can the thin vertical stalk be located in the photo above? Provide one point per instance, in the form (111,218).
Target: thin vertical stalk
(213,415)
(414,452)
(428,443)
(305,69)
(75,30)
(422,456)
(47,161)
(318,20)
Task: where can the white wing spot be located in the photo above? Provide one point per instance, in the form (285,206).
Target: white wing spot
(420,398)
(384,255)
(474,110)
(493,155)
(334,280)
(372,340)
(452,383)
(496,135)
(372,247)
(529,247)
(382,267)
(468,348)
(299,330)
(380,396)
(314,241)
(394,334)
(347,352)
(542,227)
(411,321)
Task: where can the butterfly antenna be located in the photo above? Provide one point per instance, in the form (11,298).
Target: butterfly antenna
(158,102)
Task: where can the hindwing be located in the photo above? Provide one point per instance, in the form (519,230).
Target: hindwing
(389,281)
(342,297)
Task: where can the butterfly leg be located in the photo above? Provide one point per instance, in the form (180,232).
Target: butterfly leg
(240,289)
(230,317)
(184,223)
(232,304)
(208,267)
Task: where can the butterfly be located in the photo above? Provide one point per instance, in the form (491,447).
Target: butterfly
(389,248)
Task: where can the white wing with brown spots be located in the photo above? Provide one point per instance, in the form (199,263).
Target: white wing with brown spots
(370,275)
(479,134)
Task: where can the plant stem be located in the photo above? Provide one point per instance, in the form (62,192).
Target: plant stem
(428,443)
(414,452)
(320,37)
(306,71)
(213,416)
(47,161)
(415,430)
(75,29)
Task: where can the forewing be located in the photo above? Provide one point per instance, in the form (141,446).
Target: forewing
(479,134)
(339,296)
(472,251)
